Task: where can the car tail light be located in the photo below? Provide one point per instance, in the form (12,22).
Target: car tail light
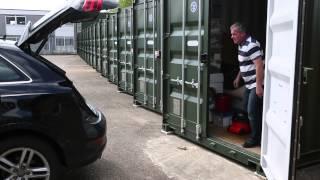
(92,5)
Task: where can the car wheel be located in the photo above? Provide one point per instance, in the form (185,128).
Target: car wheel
(24,158)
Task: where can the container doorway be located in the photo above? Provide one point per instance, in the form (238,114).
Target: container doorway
(226,103)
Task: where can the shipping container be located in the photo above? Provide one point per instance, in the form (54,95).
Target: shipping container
(125,66)
(187,61)
(147,65)
(113,55)
(199,66)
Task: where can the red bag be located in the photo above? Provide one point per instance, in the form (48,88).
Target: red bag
(239,127)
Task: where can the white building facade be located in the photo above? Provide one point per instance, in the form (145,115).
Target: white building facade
(13,22)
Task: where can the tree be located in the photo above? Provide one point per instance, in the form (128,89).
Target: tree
(125,3)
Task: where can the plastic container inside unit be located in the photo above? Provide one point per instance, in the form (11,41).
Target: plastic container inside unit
(223,103)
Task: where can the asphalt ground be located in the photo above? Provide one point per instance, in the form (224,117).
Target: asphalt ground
(136,148)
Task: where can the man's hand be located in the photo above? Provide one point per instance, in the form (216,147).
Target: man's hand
(236,81)
(259,91)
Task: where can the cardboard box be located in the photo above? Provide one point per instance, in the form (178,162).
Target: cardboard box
(222,120)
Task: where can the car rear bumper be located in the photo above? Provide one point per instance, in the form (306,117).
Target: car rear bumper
(92,149)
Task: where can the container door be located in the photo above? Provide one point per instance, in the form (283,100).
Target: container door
(87,44)
(279,104)
(185,70)
(109,46)
(309,98)
(146,78)
(113,51)
(98,45)
(94,45)
(104,48)
(91,39)
(125,53)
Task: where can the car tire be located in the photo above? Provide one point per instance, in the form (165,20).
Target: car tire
(28,157)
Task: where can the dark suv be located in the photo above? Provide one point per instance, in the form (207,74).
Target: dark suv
(46,126)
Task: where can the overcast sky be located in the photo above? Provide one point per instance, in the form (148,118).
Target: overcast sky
(30,4)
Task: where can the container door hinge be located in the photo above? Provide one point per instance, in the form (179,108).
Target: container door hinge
(165,76)
(198,131)
(204,58)
(299,131)
(154,102)
(166,35)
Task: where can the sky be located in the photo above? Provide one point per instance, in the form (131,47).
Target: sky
(30,4)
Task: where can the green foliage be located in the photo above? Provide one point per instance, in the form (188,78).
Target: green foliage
(125,3)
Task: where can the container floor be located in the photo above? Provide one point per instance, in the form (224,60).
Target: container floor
(235,139)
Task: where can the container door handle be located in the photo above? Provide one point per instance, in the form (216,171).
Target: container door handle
(192,83)
(305,74)
(204,58)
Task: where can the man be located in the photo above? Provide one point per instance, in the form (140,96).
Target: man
(251,70)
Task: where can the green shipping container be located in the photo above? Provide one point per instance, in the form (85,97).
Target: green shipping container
(200,63)
(125,66)
(147,65)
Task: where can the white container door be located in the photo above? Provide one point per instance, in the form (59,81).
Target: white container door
(279,88)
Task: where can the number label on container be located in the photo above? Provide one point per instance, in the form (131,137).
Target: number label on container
(194,6)
(192,43)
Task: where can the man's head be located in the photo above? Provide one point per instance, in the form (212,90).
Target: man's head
(238,33)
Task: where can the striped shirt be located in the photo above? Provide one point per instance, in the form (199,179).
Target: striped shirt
(248,51)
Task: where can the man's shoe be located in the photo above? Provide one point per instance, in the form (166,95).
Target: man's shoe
(250,144)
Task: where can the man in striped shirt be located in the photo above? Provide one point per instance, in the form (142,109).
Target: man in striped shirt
(251,71)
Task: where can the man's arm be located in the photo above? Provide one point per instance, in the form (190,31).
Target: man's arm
(259,75)
(237,80)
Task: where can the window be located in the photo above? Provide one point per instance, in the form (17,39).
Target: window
(10,19)
(8,73)
(21,20)
(69,41)
(13,20)
(59,41)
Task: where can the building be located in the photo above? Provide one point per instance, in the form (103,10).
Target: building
(13,22)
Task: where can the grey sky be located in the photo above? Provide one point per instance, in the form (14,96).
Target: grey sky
(31,4)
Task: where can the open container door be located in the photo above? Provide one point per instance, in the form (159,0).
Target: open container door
(279,104)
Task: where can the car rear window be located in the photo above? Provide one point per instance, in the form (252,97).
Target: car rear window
(9,73)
